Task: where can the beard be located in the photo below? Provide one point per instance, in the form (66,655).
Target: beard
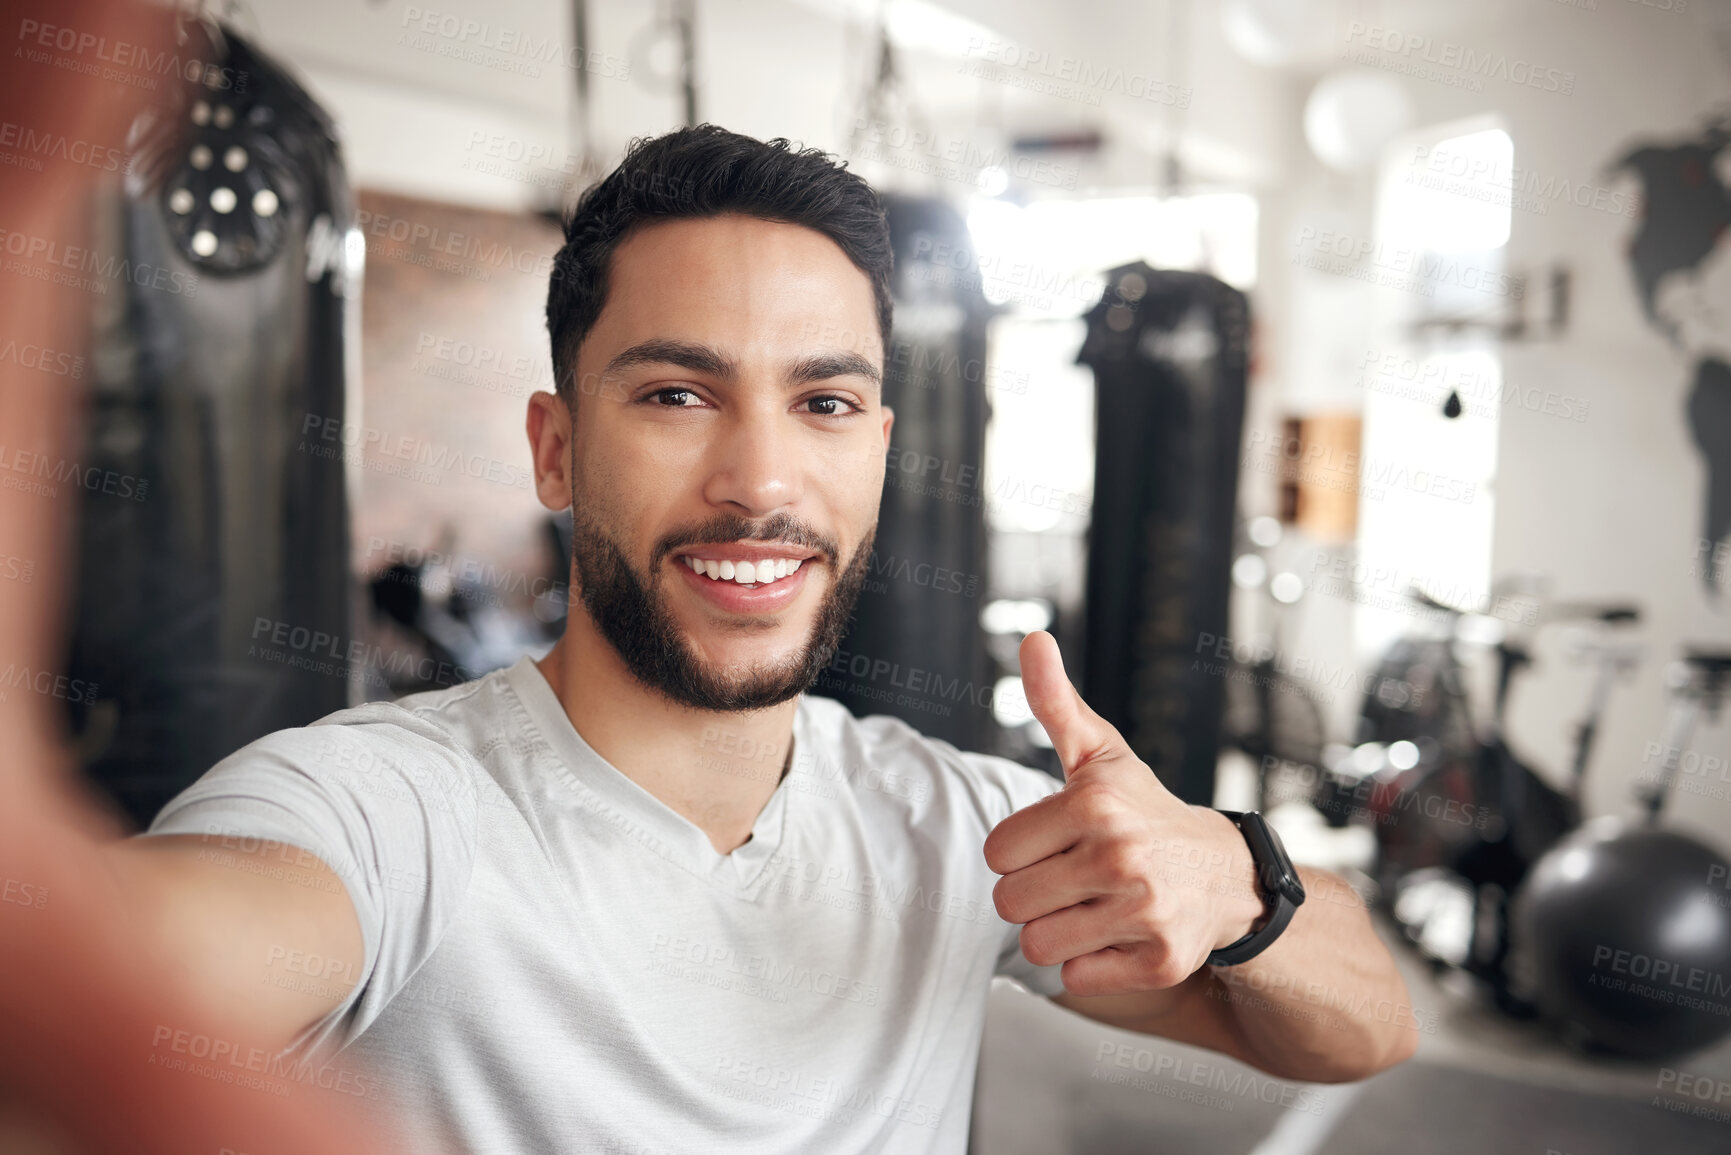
(635,619)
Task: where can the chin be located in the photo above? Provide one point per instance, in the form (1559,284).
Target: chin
(736,649)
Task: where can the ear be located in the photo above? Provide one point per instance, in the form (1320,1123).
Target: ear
(549,427)
(889,420)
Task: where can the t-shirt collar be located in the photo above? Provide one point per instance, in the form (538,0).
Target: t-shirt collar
(601,785)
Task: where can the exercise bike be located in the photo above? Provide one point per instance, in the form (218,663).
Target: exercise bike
(1459,817)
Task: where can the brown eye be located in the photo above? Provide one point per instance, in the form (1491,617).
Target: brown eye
(832,406)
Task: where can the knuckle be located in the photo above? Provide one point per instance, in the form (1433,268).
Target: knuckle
(1097,802)
(1163,976)
(1148,918)
(1155,960)
(1038,950)
(1004,898)
(1081,983)
(1145,911)
(1123,862)
(1170,972)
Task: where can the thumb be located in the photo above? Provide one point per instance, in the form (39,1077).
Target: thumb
(1077,733)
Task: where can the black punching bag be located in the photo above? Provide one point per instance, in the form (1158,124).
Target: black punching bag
(213,597)
(915,648)
(1170,355)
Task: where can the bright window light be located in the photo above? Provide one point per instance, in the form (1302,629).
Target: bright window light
(1453,197)
(1427,505)
(1048,258)
(1039,467)
(915,25)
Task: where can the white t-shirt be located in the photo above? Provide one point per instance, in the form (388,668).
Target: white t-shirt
(558,962)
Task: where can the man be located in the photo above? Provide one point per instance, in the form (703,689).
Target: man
(644,895)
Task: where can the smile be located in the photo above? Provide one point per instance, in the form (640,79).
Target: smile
(761,572)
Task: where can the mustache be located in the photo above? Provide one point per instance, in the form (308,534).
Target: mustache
(732,527)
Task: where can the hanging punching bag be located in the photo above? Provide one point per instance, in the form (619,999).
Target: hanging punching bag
(212,604)
(1170,355)
(915,649)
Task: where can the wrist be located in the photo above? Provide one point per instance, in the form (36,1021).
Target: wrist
(1240,905)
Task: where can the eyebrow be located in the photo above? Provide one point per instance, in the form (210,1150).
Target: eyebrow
(823,366)
(711,361)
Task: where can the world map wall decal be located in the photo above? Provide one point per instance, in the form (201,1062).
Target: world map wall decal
(1681,266)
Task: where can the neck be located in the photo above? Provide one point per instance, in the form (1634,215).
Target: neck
(718,770)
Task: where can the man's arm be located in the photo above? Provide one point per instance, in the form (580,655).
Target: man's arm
(260,934)
(1131,890)
(1323,1004)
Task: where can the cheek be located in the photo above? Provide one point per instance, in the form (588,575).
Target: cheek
(857,473)
(617,492)
(641,465)
(851,484)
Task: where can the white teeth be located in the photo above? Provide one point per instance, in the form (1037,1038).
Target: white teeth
(745,572)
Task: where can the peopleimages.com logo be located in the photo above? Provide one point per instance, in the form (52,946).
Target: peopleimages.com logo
(1448,62)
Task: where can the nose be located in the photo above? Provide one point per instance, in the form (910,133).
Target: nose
(754,465)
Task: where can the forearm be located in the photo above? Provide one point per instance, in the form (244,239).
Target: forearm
(1325,1002)
(257,935)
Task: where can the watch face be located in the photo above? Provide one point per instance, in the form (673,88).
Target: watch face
(1286,879)
(1276,867)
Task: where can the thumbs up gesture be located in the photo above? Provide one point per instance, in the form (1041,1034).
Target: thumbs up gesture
(1113,876)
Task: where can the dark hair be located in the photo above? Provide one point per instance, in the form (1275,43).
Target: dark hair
(705,171)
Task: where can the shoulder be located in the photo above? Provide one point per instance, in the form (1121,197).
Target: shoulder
(880,755)
(456,718)
(426,742)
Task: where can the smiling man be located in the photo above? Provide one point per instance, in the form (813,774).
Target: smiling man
(646,895)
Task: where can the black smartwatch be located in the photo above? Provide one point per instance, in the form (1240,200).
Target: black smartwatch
(1281,889)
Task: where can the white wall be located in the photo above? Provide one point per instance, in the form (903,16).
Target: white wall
(1611,504)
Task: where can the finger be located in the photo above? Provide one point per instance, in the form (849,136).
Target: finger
(1077,733)
(1077,930)
(1049,885)
(1053,825)
(1127,969)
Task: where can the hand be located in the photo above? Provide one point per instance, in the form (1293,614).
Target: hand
(1113,876)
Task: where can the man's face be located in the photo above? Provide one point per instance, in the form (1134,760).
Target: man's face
(729,418)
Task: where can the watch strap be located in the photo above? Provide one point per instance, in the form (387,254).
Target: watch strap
(1280,908)
(1257,940)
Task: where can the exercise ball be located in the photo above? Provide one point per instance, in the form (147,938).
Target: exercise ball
(1623,936)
